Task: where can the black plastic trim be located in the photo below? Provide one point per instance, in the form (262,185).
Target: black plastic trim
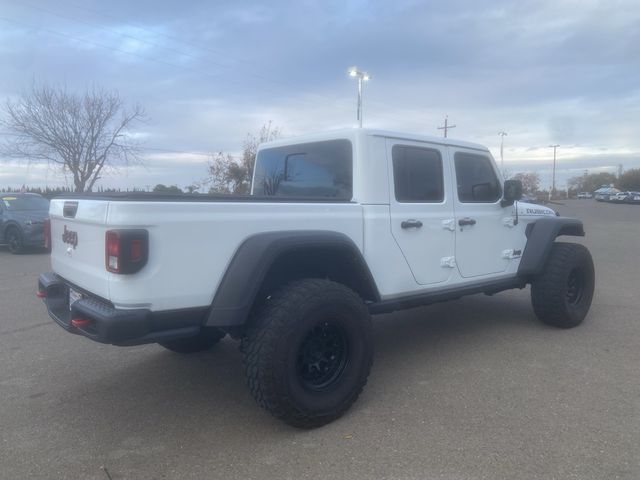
(126,237)
(428,298)
(194,197)
(540,237)
(113,325)
(251,263)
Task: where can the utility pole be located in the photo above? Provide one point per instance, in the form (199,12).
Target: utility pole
(362,77)
(553,177)
(502,135)
(446,126)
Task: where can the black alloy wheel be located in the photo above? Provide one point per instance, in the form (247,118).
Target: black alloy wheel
(575,286)
(322,356)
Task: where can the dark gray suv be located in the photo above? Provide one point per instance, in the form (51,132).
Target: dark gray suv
(22,217)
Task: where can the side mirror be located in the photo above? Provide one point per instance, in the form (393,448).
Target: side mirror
(512,192)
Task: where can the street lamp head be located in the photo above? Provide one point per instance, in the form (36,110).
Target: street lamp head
(365,76)
(353,71)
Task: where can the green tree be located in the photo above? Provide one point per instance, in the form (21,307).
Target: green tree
(630,180)
(228,174)
(160,188)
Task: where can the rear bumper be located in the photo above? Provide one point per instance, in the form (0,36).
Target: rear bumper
(105,323)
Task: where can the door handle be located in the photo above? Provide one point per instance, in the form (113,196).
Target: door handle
(411,224)
(466,221)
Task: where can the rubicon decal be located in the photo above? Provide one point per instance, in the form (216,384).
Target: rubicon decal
(539,211)
(70,237)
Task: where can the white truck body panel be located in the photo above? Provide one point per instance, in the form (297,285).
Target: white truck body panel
(192,243)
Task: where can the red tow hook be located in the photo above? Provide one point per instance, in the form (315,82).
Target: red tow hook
(41,294)
(80,322)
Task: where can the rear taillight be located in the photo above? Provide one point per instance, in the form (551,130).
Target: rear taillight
(126,251)
(47,234)
(112,260)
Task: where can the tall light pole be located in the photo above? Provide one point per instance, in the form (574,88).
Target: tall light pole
(362,77)
(502,135)
(553,176)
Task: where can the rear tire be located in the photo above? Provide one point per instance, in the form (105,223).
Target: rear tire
(308,352)
(204,341)
(14,240)
(561,295)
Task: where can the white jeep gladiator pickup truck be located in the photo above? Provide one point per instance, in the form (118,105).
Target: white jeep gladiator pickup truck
(338,226)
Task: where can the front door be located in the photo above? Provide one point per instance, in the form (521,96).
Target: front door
(483,238)
(421,208)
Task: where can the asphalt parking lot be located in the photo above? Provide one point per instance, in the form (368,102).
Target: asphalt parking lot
(473,389)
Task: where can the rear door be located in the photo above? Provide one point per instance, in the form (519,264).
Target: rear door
(422,208)
(78,243)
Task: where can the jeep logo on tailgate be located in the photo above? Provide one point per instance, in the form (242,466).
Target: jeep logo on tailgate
(70,237)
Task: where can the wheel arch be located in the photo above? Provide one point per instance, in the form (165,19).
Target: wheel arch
(11,224)
(265,261)
(8,225)
(540,237)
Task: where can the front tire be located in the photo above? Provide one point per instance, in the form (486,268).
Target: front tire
(204,341)
(561,295)
(308,352)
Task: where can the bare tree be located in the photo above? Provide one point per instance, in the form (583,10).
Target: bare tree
(630,180)
(227,174)
(84,135)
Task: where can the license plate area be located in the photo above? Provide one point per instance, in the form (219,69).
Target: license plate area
(74,296)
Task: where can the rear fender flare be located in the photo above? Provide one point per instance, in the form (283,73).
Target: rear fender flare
(254,258)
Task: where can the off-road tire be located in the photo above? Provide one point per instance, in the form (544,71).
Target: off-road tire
(204,341)
(13,238)
(561,295)
(309,319)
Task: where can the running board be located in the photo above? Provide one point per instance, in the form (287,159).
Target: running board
(412,301)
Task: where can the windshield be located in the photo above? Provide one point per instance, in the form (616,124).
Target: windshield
(30,202)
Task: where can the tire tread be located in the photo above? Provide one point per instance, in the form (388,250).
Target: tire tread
(258,345)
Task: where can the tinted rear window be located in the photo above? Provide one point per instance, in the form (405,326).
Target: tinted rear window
(417,174)
(24,202)
(312,170)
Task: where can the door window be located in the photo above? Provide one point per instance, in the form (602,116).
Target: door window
(476,179)
(417,174)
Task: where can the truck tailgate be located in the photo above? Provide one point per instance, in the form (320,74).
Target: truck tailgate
(78,243)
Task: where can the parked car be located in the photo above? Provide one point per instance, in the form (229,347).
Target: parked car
(585,195)
(22,219)
(618,197)
(603,194)
(632,197)
(529,199)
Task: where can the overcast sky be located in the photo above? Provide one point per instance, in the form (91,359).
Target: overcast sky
(546,72)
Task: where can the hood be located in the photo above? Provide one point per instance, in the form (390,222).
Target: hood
(534,210)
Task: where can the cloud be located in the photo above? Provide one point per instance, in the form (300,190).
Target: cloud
(209,72)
